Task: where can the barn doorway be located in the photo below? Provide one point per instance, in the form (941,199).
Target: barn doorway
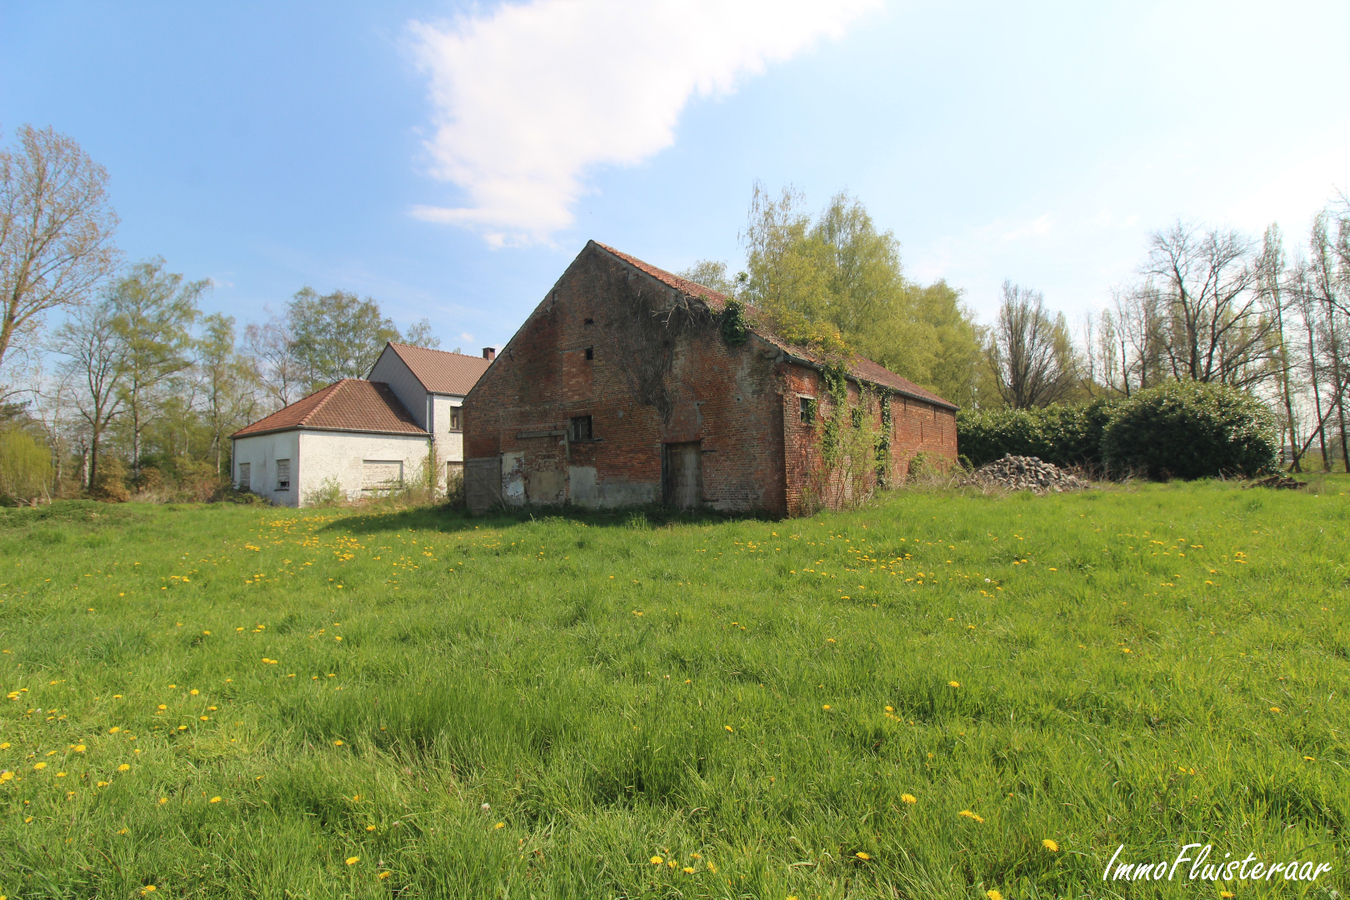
(682,474)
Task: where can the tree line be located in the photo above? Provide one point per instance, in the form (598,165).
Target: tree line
(1207,305)
(146,388)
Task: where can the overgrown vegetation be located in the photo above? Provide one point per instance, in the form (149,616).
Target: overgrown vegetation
(1176,430)
(904,701)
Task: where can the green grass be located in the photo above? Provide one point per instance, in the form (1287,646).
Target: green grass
(752,700)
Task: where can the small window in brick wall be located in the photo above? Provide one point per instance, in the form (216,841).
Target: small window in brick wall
(454,418)
(581,428)
(808,410)
(590,353)
(283,474)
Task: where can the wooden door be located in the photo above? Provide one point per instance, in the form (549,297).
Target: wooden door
(683,475)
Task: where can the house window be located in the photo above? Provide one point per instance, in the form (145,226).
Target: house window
(454,418)
(808,409)
(581,428)
(381,474)
(283,474)
(590,353)
(245,478)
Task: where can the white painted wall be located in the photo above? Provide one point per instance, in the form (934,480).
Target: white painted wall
(261,452)
(449,443)
(339,455)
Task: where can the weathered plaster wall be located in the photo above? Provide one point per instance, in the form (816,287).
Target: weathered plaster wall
(261,452)
(340,455)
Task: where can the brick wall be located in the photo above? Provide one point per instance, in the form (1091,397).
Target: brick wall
(660,373)
(657,375)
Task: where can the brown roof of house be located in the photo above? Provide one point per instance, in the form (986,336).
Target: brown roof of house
(349,405)
(859,366)
(441,372)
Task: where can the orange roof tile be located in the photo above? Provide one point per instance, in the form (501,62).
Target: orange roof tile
(348,405)
(441,372)
(860,367)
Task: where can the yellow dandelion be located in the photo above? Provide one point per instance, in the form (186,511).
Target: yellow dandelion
(80,748)
(162,707)
(1309,759)
(499,825)
(908,798)
(712,868)
(970,815)
(863,856)
(215,799)
(727,727)
(163,800)
(656,860)
(4,746)
(114,730)
(955,684)
(194,692)
(1050,845)
(1274,709)
(826,707)
(688,870)
(148,889)
(993,895)
(353,860)
(383,875)
(38,767)
(1227,895)
(370,828)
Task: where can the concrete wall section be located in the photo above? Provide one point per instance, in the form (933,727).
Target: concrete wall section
(340,455)
(261,452)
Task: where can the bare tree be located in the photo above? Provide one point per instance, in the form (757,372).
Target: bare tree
(1213,323)
(1030,353)
(55,229)
(95,361)
(277,367)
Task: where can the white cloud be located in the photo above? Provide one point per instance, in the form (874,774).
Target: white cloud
(465,336)
(530,96)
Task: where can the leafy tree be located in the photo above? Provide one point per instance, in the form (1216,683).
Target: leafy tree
(227,382)
(154,314)
(336,336)
(419,334)
(55,229)
(712,273)
(839,277)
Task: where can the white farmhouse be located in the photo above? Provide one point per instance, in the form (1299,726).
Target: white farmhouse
(363,437)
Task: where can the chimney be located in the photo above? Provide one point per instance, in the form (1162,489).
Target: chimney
(489,353)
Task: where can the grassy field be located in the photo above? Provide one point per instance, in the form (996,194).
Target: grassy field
(905,701)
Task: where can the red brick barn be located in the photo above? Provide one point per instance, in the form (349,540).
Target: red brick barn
(623,387)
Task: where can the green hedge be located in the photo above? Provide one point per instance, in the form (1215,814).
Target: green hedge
(1185,429)
(1178,430)
(1064,435)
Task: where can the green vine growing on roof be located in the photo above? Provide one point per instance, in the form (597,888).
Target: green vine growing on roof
(735,329)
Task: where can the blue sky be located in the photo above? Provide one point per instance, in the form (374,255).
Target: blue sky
(450,159)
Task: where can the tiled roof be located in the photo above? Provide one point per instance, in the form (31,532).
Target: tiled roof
(441,372)
(349,405)
(859,366)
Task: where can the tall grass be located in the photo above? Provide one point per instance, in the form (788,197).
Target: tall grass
(418,703)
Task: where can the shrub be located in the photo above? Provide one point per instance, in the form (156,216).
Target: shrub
(110,485)
(1190,430)
(1063,435)
(25,467)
